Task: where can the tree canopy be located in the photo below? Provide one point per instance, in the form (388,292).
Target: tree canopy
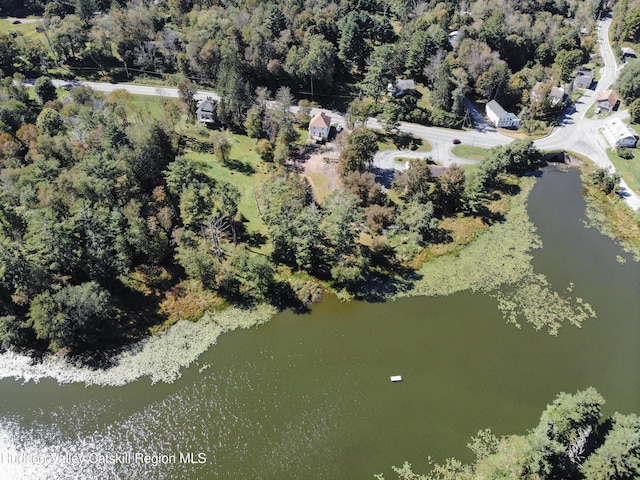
(572,441)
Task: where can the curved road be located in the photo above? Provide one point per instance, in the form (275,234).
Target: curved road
(575,133)
(579,134)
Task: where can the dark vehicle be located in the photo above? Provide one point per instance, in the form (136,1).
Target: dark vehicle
(456,141)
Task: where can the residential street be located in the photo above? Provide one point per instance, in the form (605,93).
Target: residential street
(575,133)
(580,134)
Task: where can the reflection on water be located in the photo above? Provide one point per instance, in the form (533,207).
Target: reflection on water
(309,396)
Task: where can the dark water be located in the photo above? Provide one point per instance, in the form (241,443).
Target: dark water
(309,396)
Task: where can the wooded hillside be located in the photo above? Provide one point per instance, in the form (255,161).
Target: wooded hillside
(331,51)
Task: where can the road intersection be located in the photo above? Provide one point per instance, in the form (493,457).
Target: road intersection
(575,133)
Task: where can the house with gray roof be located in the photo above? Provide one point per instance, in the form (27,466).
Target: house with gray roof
(206,112)
(500,117)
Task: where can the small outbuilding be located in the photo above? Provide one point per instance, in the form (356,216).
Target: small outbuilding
(627,53)
(401,88)
(608,100)
(500,117)
(206,112)
(453,36)
(319,127)
(618,134)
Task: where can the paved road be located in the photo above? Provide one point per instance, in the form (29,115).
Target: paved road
(575,133)
(582,135)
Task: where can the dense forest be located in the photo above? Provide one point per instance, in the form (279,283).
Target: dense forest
(108,224)
(104,222)
(330,51)
(571,441)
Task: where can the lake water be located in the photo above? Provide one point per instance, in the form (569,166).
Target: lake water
(309,396)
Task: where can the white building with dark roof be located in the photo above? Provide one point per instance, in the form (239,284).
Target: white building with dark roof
(500,117)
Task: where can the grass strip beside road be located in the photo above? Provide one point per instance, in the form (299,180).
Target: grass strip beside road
(470,152)
(402,141)
(629,169)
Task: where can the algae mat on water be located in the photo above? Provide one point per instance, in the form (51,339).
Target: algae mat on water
(498,263)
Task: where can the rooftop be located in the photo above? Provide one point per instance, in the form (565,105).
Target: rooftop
(497,108)
(321,120)
(406,84)
(207,105)
(610,96)
(618,130)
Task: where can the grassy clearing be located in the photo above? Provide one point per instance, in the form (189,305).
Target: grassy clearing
(629,169)
(320,184)
(470,152)
(246,171)
(402,141)
(611,215)
(149,105)
(28,30)
(463,230)
(423,100)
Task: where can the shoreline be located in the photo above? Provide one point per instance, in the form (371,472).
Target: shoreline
(160,357)
(478,267)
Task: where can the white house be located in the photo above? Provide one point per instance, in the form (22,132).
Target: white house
(319,127)
(618,134)
(500,117)
(206,112)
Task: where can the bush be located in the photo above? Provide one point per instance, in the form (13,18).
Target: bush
(378,218)
(605,181)
(624,153)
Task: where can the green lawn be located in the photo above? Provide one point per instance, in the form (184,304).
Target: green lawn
(246,171)
(26,29)
(469,167)
(591,112)
(401,141)
(629,169)
(320,186)
(470,152)
(423,100)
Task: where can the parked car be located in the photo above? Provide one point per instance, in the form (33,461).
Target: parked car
(456,141)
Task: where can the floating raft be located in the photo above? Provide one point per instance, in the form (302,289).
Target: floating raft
(396,378)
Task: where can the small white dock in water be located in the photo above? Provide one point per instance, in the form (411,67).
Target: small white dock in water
(396,378)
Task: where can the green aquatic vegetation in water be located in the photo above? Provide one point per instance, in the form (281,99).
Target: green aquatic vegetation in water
(535,301)
(601,221)
(498,256)
(160,357)
(499,263)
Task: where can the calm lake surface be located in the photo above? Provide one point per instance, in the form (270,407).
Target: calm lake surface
(309,396)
